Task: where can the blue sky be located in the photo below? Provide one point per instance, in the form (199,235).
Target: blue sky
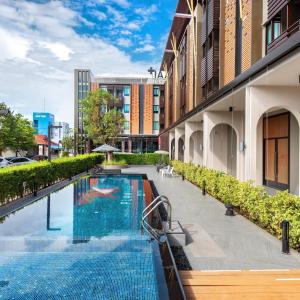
(44,41)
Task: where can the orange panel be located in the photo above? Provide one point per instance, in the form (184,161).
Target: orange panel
(283,161)
(275,127)
(94,86)
(148,109)
(135,109)
(270,160)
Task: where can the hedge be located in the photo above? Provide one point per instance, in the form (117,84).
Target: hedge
(18,181)
(251,201)
(141,159)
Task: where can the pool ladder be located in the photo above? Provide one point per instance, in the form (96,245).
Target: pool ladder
(158,235)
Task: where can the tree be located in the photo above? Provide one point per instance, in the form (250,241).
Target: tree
(16,132)
(100,123)
(68,142)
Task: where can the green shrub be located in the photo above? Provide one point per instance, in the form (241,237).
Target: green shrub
(65,154)
(18,181)
(141,159)
(120,162)
(251,201)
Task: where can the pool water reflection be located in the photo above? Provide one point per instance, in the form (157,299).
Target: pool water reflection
(82,242)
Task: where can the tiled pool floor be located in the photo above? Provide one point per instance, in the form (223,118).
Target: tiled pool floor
(110,269)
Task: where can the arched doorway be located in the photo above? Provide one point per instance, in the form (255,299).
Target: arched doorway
(181,148)
(278,150)
(223,146)
(196,147)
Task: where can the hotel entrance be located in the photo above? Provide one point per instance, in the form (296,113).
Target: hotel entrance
(277,151)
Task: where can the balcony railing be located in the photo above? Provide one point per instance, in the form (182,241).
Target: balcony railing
(285,35)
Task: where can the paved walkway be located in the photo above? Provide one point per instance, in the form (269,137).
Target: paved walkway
(215,241)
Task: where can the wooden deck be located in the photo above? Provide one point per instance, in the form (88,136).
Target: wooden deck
(244,285)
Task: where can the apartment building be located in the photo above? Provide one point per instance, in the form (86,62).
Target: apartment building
(232,91)
(141,100)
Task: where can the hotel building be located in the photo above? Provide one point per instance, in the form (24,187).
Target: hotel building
(232,91)
(141,100)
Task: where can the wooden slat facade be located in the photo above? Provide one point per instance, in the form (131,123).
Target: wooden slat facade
(274,6)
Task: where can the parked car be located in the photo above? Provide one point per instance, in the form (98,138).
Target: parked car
(39,157)
(3,162)
(21,161)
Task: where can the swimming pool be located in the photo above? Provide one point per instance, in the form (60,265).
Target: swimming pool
(82,242)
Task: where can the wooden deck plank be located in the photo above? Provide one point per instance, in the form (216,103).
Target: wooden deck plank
(242,285)
(237,272)
(244,297)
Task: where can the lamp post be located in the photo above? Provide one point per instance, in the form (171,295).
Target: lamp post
(50,127)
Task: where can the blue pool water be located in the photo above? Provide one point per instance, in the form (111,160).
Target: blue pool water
(82,242)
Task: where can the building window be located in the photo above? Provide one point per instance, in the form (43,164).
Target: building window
(103,109)
(126,91)
(155,125)
(126,125)
(156,91)
(156,109)
(126,108)
(103,88)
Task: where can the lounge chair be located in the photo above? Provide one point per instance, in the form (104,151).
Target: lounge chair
(162,171)
(168,172)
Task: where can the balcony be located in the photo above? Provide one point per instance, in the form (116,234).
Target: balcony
(284,36)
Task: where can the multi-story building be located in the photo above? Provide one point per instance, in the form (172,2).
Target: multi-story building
(62,130)
(232,91)
(141,100)
(41,121)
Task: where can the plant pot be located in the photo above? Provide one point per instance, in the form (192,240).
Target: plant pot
(229,210)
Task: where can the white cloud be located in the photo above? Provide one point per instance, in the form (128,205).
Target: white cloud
(12,45)
(124,42)
(122,3)
(146,48)
(99,15)
(40,50)
(61,51)
(125,32)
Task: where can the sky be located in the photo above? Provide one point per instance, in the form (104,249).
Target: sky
(43,41)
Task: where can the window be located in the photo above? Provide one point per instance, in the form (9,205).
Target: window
(103,88)
(269,34)
(156,91)
(155,125)
(126,108)
(127,91)
(156,109)
(103,109)
(126,125)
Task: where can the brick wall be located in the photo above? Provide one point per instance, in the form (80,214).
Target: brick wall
(229,28)
(134,112)
(189,69)
(148,109)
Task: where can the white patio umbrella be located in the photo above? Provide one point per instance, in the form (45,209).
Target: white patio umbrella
(106,149)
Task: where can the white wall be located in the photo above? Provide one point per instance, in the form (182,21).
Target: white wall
(194,142)
(259,100)
(216,156)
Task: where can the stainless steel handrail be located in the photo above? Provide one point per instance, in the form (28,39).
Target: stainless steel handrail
(164,200)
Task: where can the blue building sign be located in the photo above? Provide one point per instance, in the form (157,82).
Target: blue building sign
(41,121)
